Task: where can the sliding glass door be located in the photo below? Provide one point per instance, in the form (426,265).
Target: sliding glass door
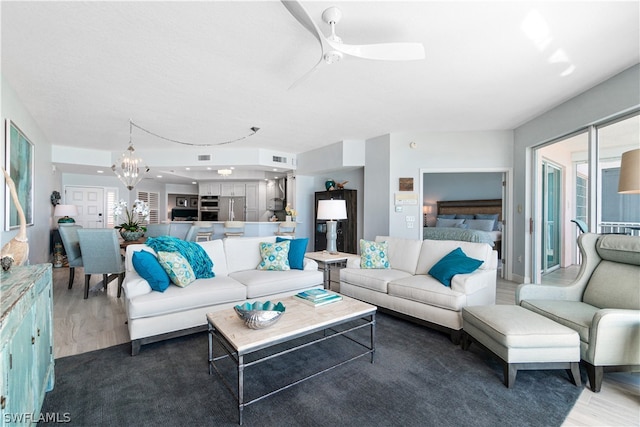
(551,215)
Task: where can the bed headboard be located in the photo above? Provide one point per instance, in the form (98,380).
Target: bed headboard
(490,206)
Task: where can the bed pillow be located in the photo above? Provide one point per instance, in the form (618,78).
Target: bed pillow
(480,224)
(177,267)
(494,217)
(447,216)
(275,256)
(455,262)
(149,268)
(297,249)
(374,254)
(442,222)
(465,216)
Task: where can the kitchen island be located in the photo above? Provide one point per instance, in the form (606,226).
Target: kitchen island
(251,228)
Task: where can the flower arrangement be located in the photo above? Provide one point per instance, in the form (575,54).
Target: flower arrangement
(138,213)
(290,211)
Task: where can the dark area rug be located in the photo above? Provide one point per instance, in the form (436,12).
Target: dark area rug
(419,378)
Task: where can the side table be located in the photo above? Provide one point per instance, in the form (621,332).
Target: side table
(326,260)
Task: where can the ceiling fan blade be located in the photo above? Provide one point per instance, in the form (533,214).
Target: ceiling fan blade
(382,51)
(306,75)
(302,16)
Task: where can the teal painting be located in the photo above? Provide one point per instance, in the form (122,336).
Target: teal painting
(19,163)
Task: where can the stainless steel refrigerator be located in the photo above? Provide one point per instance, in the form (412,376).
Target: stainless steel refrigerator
(232,208)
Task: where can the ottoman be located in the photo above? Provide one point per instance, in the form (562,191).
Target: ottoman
(522,340)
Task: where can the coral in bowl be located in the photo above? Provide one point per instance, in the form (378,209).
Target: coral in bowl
(260,315)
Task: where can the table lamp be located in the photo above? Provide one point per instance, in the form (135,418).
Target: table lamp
(65,212)
(332,210)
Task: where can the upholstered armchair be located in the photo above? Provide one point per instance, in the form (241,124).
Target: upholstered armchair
(602,304)
(69,236)
(101,255)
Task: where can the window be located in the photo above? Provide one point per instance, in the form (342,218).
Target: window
(111,197)
(153,200)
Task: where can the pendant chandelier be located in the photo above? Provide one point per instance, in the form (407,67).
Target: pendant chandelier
(129,168)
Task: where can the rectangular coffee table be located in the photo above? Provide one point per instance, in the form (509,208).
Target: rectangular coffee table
(299,320)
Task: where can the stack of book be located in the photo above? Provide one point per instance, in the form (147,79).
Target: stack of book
(317,297)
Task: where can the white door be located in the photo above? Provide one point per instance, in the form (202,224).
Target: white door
(90,203)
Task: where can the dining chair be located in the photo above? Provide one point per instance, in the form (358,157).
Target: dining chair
(69,236)
(155,230)
(101,255)
(205,231)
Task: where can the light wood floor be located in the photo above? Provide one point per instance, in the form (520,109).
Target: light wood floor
(84,325)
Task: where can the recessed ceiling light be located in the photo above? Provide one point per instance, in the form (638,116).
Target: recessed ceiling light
(188,169)
(231,167)
(158,176)
(208,168)
(275,170)
(194,182)
(100,171)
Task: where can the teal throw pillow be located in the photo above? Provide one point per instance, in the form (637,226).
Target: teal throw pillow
(297,249)
(177,267)
(148,267)
(455,262)
(275,256)
(374,254)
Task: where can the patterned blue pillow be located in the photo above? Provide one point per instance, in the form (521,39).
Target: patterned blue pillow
(455,262)
(275,256)
(177,267)
(373,254)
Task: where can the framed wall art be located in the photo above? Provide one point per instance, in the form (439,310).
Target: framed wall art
(193,202)
(19,163)
(181,201)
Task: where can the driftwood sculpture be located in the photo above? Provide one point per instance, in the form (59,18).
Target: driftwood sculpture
(18,247)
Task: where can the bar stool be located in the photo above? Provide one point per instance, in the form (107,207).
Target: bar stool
(205,231)
(286,228)
(233,228)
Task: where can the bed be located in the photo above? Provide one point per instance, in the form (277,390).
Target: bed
(469,221)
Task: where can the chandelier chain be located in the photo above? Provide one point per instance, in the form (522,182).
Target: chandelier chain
(254,130)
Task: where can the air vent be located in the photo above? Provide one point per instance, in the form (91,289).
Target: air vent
(204,157)
(278,159)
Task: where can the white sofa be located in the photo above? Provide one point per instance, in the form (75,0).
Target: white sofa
(406,287)
(154,316)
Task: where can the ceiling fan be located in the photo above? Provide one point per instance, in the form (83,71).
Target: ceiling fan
(333,49)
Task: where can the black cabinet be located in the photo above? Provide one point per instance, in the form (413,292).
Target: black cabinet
(346,228)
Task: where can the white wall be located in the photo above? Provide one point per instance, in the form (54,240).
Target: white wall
(619,94)
(45,180)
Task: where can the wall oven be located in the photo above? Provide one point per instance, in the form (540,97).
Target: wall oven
(209,215)
(208,202)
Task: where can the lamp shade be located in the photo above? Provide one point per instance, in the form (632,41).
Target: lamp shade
(332,209)
(66,210)
(630,172)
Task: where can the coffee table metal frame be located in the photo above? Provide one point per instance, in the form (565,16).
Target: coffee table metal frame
(238,357)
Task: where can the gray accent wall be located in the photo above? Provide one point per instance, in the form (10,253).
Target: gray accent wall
(615,96)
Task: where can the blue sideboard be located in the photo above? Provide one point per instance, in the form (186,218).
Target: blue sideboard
(26,342)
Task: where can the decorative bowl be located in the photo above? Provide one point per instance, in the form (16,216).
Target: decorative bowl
(259,315)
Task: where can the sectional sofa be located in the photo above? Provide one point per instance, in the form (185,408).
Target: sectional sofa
(154,316)
(407,288)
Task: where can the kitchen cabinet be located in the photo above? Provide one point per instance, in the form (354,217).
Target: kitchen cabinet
(251,191)
(26,342)
(232,189)
(209,188)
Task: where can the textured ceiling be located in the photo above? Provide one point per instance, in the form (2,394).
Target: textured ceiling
(206,72)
